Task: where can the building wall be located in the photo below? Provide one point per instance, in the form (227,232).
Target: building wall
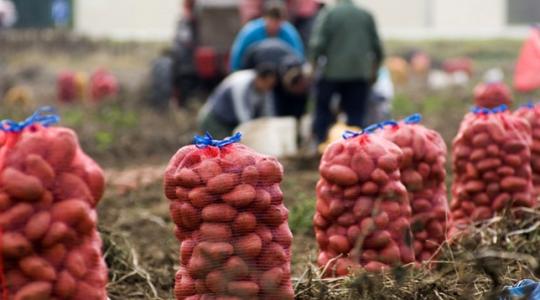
(127,19)
(410,19)
(443,18)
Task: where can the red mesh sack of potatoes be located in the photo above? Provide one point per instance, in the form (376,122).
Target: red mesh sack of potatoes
(491,163)
(423,174)
(50,247)
(362,211)
(230,219)
(491,95)
(531,113)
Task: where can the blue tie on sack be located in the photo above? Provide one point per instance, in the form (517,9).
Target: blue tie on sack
(526,289)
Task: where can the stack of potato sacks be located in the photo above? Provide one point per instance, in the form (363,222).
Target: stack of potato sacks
(531,113)
(50,247)
(230,219)
(423,173)
(364,211)
(492,166)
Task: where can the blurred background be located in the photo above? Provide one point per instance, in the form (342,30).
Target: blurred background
(131,76)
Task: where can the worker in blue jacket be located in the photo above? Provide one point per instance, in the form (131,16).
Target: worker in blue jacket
(272,24)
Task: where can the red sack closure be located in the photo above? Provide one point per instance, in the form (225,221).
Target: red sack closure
(362,211)
(50,247)
(527,73)
(491,162)
(231,222)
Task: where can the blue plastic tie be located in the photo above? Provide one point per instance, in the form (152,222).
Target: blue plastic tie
(486,111)
(46,116)
(413,119)
(207,140)
(529,105)
(349,134)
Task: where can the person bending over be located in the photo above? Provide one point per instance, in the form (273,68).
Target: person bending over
(242,96)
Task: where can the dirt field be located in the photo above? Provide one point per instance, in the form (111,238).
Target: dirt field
(133,144)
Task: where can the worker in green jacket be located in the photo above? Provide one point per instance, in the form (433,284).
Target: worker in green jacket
(346,49)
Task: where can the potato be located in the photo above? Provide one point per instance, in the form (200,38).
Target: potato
(184,287)
(478,155)
(362,165)
(369,188)
(216,282)
(198,267)
(37,268)
(222,183)
(243,289)
(378,240)
(216,252)
(421,205)
(70,186)
(272,255)
(235,267)
(200,197)
(16,216)
(55,254)
(341,175)
(339,243)
(218,213)
(273,216)
(390,255)
(215,232)
(21,186)
(248,246)
(206,170)
(250,175)
(37,290)
(412,180)
(264,233)
(244,223)
(189,216)
(513,184)
(186,249)
(36,166)
(263,200)
(283,235)
(363,207)
(15,245)
(70,211)
(76,265)
(375,266)
(241,196)
(62,148)
(380,177)
(58,232)
(271,279)
(381,220)
(336,207)
(388,163)
(474,186)
(270,171)
(37,226)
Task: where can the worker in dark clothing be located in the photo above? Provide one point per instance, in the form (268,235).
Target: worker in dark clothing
(291,91)
(345,46)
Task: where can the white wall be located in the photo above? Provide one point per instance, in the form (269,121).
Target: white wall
(127,19)
(418,19)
